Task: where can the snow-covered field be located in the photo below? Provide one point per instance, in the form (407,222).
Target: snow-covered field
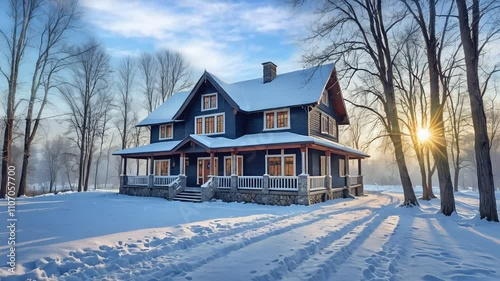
(103,235)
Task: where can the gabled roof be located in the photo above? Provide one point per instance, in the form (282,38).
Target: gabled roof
(301,87)
(165,112)
(164,146)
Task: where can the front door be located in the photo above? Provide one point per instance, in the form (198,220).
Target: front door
(204,169)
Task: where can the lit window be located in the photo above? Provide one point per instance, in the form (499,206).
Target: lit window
(280,165)
(162,167)
(166,131)
(278,119)
(210,124)
(341,167)
(209,101)
(324,124)
(239,165)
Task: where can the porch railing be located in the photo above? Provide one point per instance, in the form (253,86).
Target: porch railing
(138,180)
(163,180)
(317,182)
(356,179)
(283,183)
(223,181)
(250,182)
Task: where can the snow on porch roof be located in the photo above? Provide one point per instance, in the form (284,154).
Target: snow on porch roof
(295,88)
(270,139)
(149,148)
(165,112)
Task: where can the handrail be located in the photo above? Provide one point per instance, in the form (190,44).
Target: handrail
(250,182)
(283,183)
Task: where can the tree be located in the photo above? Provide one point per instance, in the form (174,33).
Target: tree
(51,153)
(149,68)
(357,34)
(86,96)
(472,47)
(22,14)
(173,71)
(57,21)
(436,126)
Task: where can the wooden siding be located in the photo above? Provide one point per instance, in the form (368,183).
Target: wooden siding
(179,132)
(298,122)
(314,161)
(315,123)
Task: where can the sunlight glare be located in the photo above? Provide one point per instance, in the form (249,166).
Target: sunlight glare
(423,134)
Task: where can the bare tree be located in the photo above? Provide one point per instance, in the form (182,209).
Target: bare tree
(472,47)
(85,97)
(173,72)
(58,19)
(357,33)
(101,133)
(52,151)
(22,14)
(149,69)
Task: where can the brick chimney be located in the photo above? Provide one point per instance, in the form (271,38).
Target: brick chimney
(269,71)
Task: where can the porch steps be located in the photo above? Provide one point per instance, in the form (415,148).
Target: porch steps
(190,194)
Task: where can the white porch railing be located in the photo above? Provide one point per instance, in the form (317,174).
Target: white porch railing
(356,179)
(223,181)
(163,180)
(138,180)
(317,182)
(283,183)
(250,182)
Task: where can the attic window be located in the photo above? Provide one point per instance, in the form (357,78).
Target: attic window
(209,101)
(277,119)
(324,97)
(166,131)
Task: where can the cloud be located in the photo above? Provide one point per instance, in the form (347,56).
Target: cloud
(220,36)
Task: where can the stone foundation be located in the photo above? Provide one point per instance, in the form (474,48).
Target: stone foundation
(145,191)
(258,198)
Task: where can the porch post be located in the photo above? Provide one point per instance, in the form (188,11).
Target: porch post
(152,165)
(151,177)
(359,167)
(182,165)
(212,164)
(303,158)
(347,181)
(233,163)
(307,160)
(124,166)
(328,172)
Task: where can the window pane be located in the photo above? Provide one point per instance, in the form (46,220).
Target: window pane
(199,126)
(213,101)
(206,101)
(240,166)
(157,168)
(227,172)
(324,124)
(169,131)
(282,119)
(164,167)
(341,167)
(274,166)
(289,166)
(162,132)
(209,125)
(220,123)
(323,165)
(270,120)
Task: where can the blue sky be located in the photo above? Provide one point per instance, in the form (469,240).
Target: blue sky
(228,38)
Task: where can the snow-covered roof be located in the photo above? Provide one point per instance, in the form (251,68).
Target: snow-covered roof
(288,89)
(165,112)
(270,139)
(163,146)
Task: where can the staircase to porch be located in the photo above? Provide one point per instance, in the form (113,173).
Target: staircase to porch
(190,194)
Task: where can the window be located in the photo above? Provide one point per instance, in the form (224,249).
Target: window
(162,168)
(331,127)
(239,165)
(341,168)
(209,101)
(324,124)
(323,165)
(209,124)
(166,131)
(324,97)
(277,119)
(280,165)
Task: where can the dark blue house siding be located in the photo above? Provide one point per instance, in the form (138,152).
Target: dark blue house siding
(194,109)
(315,123)
(314,162)
(336,179)
(179,132)
(298,122)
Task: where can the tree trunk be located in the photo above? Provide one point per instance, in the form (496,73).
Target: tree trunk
(455,179)
(486,186)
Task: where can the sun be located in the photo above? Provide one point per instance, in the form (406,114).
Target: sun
(423,134)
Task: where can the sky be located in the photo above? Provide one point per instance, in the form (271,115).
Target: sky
(228,38)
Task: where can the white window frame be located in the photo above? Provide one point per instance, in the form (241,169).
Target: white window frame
(342,168)
(323,166)
(242,164)
(324,120)
(161,160)
(166,138)
(325,98)
(216,101)
(275,112)
(283,163)
(331,127)
(215,123)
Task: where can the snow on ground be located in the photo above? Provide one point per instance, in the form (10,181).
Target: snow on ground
(106,236)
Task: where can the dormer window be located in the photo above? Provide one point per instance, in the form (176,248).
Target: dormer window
(277,119)
(166,132)
(209,101)
(328,125)
(324,97)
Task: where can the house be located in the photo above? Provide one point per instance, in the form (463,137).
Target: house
(270,140)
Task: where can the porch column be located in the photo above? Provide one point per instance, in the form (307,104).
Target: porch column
(347,181)
(151,165)
(212,164)
(303,158)
(359,167)
(147,165)
(328,163)
(182,164)
(233,163)
(124,166)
